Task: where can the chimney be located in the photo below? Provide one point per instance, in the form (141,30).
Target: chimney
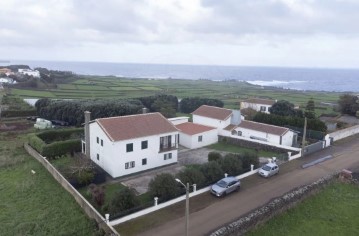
(87,133)
(144,110)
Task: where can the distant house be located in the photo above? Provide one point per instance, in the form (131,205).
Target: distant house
(216,117)
(7,81)
(264,132)
(130,144)
(6,71)
(34,73)
(258,104)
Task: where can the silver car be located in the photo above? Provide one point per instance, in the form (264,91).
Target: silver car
(268,170)
(225,186)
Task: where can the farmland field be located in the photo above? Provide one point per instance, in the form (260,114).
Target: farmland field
(334,211)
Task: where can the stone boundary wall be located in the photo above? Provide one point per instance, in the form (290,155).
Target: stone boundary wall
(273,208)
(340,134)
(254,144)
(85,205)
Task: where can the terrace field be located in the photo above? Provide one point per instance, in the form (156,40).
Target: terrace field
(230,92)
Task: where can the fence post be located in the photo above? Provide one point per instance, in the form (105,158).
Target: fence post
(225,175)
(252,167)
(194,187)
(156,201)
(107,218)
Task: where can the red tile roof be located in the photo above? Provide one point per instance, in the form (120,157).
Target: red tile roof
(213,112)
(260,101)
(271,129)
(191,129)
(230,127)
(135,126)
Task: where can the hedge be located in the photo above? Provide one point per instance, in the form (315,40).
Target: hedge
(18,113)
(61,148)
(61,134)
(36,142)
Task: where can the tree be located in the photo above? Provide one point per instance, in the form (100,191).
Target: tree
(97,193)
(188,105)
(283,108)
(310,109)
(164,107)
(214,156)
(123,200)
(212,171)
(164,186)
(348,104)
(231,164)
(192,176)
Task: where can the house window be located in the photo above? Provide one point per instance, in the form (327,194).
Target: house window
(144,161)
(98,156)
(263,108)
(129,165)
(167,156)
(101,142)
(97,140)
(200,138)
(144,144)
(129,147)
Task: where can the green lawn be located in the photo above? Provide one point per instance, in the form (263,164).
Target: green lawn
(334,211)
(221,146)
(34,204)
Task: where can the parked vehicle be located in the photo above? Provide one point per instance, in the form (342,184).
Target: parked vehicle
(268,170)
(225,186)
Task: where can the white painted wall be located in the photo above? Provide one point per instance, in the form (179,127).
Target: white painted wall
(287,139)
(255,106)
(219,124)
(191,141)
(178,120)
(113,155)
(340,134)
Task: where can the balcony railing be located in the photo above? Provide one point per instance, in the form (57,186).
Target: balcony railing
(168,147)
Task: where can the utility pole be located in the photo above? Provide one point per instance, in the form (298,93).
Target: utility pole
(304,134)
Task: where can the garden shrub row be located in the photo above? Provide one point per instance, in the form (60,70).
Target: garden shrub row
(18,113)
(56,148)
(49,136)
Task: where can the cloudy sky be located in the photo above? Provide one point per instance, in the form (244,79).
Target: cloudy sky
(306,33)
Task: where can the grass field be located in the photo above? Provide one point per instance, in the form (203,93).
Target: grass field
(334,211)
(34,204)
(221,146)
(230,92)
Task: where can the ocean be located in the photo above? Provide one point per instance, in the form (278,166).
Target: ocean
(338,80)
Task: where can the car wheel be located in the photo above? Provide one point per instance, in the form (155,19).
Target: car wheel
(224,194)
(238,188)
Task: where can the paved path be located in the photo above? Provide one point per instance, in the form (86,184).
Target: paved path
(251,196)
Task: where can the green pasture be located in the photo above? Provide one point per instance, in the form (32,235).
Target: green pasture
(334,211)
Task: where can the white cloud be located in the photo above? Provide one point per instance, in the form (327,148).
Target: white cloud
(246,32)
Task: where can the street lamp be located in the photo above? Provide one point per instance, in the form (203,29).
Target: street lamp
(187,203)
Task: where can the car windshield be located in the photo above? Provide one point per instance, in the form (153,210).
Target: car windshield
(266,168)
(222,183)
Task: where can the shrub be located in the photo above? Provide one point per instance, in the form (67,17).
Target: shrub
(62,134)
(231,164)
(123,200)
(36,142)
(97,194)
(214,156)
(164,186)
(192,176)
(249,159)
(212,171)
(62,147)
(85,177)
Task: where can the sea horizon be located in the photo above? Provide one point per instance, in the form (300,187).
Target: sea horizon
(297,78)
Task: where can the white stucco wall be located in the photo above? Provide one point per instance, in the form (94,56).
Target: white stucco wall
(113,155)
(255,107)
(191,141)
(287,139)
(220,124)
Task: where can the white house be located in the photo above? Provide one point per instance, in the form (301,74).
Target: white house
(258,104)
(216,116)
(7,81)
(34,73)
(129,144)
(195,135)
(264,132)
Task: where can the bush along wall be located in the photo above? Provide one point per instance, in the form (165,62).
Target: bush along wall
(61,147)
(18,113)
(50,136)
(274,207)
